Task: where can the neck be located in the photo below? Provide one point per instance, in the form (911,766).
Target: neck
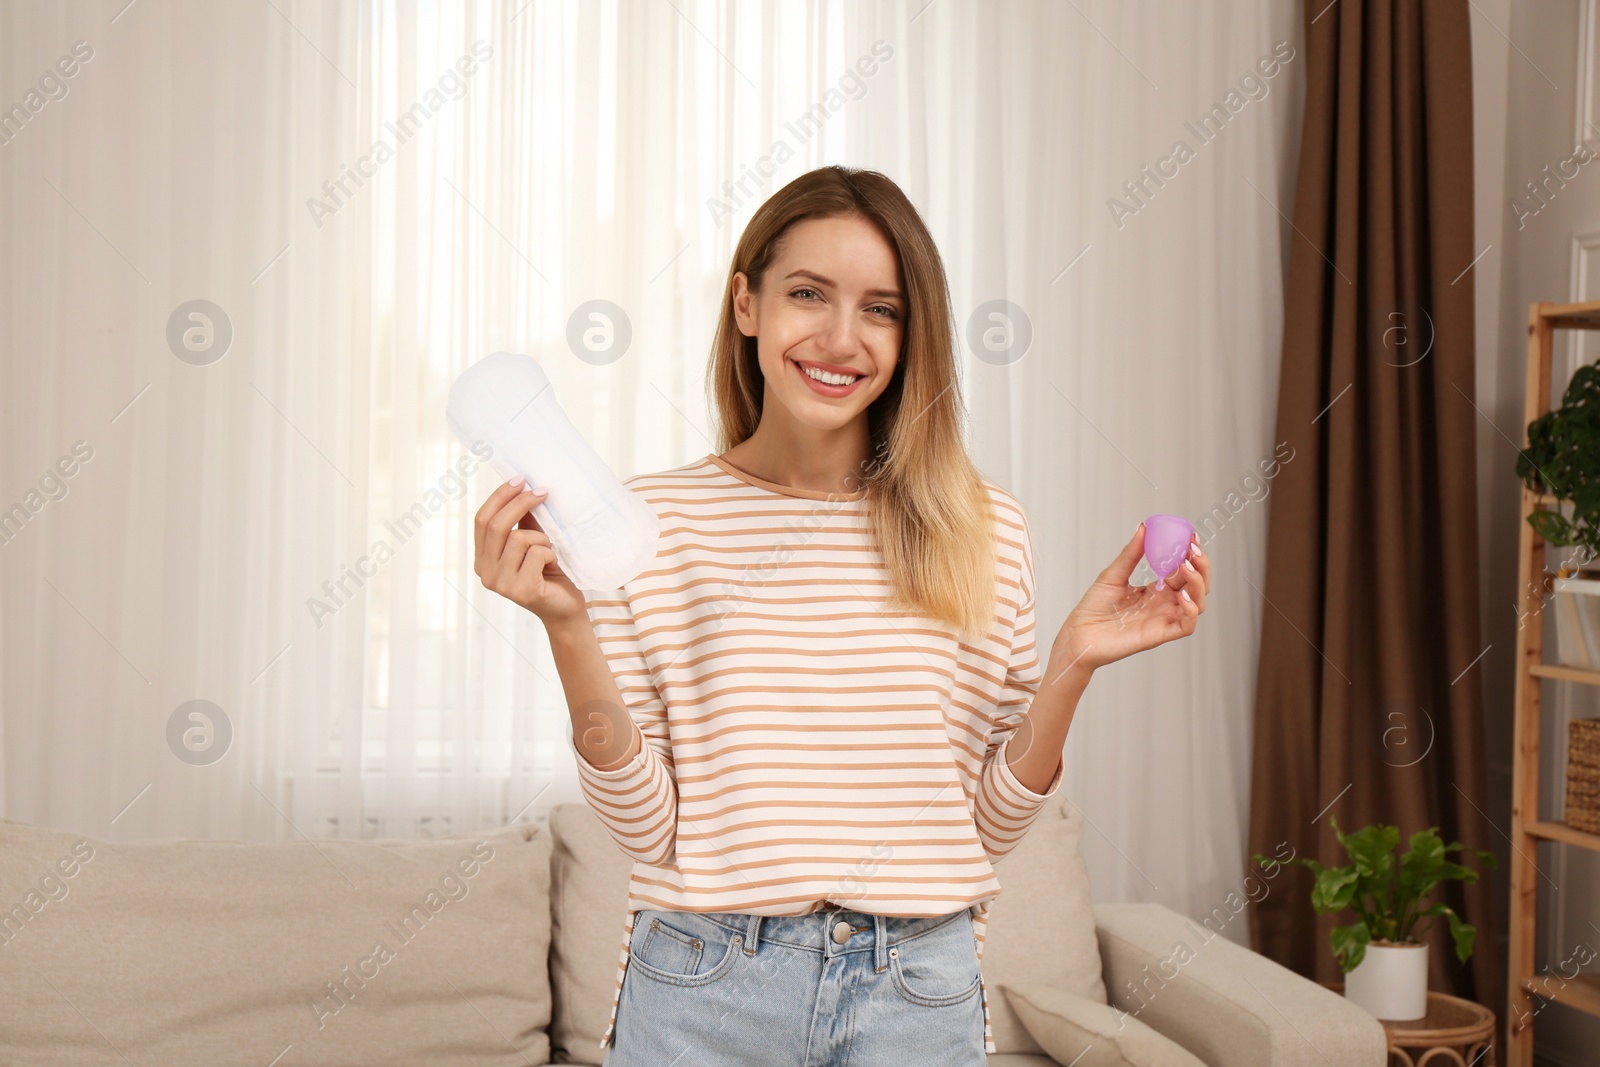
(827,461)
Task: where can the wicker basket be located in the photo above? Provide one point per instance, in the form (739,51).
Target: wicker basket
(1583,775)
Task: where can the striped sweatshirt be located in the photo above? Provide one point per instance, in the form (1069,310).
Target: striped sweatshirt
(803,747)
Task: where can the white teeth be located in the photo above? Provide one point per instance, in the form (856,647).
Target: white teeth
(829,379)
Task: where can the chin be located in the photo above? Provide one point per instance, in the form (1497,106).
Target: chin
(810,419)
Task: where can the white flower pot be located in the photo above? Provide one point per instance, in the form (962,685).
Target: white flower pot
(1577,609)
(1391,981)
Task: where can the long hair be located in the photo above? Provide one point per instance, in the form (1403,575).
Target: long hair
(925,500)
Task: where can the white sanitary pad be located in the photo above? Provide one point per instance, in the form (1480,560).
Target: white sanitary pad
(604,535)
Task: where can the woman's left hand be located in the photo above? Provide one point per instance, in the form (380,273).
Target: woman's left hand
(1115,619)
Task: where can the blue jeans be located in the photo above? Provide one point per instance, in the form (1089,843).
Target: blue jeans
(718,989)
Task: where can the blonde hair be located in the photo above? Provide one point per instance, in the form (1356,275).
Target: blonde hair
(925,500)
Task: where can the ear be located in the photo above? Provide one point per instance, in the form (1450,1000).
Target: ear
(744,308)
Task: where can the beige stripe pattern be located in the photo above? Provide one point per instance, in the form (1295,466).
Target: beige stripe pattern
(806,748)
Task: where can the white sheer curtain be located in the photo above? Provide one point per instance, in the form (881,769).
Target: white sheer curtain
(222,543)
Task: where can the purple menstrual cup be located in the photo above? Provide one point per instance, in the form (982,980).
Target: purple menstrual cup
(1166,543)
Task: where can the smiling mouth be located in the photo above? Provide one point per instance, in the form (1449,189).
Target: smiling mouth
(828,388)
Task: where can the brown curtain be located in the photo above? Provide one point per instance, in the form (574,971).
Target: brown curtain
(1368,703)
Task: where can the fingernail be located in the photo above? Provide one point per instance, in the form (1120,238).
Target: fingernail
(1197,551)
(1190,566)
(1137,528)
(1185,594)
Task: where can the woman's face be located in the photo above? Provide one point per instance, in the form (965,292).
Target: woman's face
(833,300)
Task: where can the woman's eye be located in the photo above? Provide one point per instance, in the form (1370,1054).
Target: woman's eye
(883,309)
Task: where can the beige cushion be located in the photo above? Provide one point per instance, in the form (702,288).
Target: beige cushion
(211,952)
(1223,1002)
(1041,926)
(589,911)
(1088,1033)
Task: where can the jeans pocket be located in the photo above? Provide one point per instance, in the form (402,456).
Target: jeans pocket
(682,948)
(937,968)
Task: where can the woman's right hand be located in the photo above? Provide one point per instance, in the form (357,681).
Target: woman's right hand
(514,557)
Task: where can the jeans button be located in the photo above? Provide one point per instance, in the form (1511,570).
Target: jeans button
(841,932)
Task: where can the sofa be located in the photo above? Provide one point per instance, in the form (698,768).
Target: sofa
(501,948)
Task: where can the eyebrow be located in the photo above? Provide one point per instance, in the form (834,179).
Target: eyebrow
(814,276)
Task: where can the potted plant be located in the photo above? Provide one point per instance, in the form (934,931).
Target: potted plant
(1382,954)
(1563,460)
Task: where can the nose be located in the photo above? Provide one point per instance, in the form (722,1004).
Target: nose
(840,340)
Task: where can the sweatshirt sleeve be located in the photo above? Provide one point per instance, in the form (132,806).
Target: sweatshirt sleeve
(638,801)
(1005,808)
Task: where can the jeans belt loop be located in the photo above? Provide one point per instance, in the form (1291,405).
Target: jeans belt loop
(752,931)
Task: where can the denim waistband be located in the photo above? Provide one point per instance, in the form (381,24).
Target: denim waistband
(816,931)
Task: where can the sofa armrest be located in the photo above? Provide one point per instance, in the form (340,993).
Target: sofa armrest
(1224,1003)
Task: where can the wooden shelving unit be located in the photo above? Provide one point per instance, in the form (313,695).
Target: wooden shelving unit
(1526,990)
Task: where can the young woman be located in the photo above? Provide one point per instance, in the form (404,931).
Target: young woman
(820,717)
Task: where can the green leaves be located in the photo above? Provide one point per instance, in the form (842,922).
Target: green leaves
(1334,888)
(1463,933)
(1350,945)
(1563,457)
(1372,849)
(1386,896)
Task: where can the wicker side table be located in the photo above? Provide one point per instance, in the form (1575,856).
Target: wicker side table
(1456,1032)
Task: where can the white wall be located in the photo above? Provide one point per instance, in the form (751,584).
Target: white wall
(1529,60)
